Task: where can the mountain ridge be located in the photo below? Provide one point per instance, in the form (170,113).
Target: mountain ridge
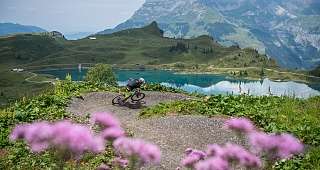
(13,28)
(273,27)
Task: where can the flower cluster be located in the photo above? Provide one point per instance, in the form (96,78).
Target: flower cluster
(238,154)
(76,140)
(146,152)
(213,163)
(105,120)
(218,157)
(111,128)
(64,135)
(126,147)
(273,145)
(119,162)
(192,156)
(240,125)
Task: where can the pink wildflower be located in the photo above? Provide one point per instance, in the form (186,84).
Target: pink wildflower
(215,150)
(38,132)
(105,119)
(276,146)
(190,160)
(62,135)
(112,133)
(193,157)
(213,163)
(120,162)
(242,156)
(77,138)
(262,141)
(36,135)
(240,125)
(18,132)
(288,145)
(103,167)
(147,152)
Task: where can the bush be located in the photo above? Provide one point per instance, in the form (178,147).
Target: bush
(101,74)
(179,65)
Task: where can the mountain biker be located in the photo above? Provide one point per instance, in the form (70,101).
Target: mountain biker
(132,85)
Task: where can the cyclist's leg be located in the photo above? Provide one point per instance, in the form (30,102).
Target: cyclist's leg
(127,94)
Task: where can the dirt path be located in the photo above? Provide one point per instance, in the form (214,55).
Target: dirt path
(172,133)
(38,82)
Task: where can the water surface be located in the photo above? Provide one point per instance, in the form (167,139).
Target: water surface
(204,83)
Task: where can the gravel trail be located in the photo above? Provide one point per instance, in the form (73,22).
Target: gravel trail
(172,133)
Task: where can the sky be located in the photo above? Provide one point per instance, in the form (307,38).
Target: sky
(69,16)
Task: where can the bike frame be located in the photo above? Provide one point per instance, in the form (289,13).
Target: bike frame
(135,92)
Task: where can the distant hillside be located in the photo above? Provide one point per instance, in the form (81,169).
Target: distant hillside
(10,28)
(26,48)
(133,46)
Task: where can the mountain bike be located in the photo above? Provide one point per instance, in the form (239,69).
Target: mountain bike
(135,97)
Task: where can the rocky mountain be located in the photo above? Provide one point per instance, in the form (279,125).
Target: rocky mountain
(10,28)
(286,30)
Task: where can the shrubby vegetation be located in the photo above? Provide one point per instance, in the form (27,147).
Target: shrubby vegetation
(160,88)
(272,114)
(101,74)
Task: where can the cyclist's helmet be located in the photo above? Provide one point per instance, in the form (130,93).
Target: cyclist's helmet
(141,80)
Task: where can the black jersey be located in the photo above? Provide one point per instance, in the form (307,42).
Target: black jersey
(133,84)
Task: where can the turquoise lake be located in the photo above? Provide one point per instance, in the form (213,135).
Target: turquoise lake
(203,83)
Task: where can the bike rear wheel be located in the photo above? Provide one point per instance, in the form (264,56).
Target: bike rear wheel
(138,96)
(118,100)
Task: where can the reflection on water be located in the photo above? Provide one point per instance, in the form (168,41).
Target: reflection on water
(204,83)
(266,87)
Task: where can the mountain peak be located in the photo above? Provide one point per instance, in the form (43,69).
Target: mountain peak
(153,28)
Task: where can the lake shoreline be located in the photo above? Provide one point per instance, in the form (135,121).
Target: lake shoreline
(233,73)
(207,83)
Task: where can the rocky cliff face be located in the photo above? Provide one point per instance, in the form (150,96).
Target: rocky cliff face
(287,30)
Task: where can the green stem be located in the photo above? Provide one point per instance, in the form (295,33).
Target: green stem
(133,163)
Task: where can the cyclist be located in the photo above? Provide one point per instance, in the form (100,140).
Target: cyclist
(132,85)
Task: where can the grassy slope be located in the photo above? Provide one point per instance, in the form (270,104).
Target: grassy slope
(14,86)
(143,45)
